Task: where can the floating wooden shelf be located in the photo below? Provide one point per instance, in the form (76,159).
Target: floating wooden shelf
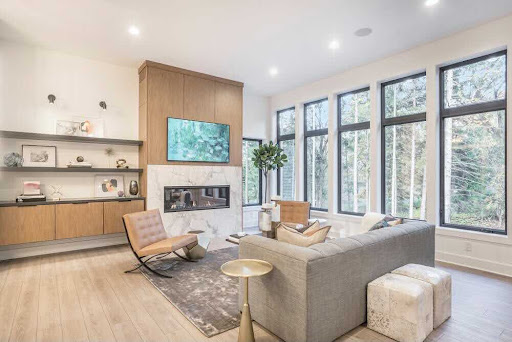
(67,169)
(68,138)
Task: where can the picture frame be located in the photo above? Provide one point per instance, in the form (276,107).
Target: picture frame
(108,185)
(39,156)
(68,127)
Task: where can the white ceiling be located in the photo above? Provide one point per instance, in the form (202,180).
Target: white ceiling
(241,39)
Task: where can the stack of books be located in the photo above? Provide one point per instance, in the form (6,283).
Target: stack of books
(79,164)
(31,198)
(235,238)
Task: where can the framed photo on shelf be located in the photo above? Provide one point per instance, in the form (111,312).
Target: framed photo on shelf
(108,185)
(39,156)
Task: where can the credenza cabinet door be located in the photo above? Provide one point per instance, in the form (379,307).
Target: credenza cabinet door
(114,211)
(27,224)
(80,219)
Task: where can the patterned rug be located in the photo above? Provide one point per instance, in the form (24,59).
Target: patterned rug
(200,291)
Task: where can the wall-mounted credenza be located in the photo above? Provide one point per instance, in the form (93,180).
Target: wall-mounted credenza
(25,222)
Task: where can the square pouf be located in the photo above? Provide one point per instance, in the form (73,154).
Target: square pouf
(441,282)
(400,307)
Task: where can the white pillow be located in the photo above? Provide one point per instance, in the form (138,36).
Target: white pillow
(370,219)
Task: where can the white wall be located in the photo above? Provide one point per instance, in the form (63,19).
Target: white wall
(256,125)
(257,119)
(478,250)
(28,75)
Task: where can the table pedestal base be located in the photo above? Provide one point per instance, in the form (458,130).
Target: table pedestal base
(246,333)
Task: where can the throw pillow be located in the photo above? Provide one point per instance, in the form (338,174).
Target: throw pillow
(299,227)
(292,236)
(387,221)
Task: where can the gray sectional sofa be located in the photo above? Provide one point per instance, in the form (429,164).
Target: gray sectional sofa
(318,293)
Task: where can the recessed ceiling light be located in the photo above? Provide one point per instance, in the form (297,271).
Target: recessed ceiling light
(334,44)
(273,71)
(431,2)
(363,32)
(134,30)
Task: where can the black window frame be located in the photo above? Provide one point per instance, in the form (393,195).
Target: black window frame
(398,120)
(347,128)
(284,137)
(260,190)
(308,134)
(471,109)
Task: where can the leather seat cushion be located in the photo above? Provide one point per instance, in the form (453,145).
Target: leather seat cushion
(168,245)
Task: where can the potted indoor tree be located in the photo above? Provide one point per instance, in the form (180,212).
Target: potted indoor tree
(268,157)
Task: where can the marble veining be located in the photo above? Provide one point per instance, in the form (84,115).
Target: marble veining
(215,222)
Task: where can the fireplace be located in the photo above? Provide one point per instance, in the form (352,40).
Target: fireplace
(188,198)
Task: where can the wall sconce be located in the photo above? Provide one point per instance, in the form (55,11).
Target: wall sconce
(103,105)
(51,98)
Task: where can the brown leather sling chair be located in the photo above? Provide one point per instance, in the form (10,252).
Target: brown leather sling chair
(148,239)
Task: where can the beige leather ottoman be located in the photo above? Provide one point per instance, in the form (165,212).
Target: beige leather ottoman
(400,307)
(441,282)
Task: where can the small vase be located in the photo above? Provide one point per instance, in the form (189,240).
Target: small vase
(134,188)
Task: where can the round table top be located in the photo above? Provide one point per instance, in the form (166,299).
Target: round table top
(246,268)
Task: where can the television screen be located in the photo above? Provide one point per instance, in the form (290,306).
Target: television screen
(197,141)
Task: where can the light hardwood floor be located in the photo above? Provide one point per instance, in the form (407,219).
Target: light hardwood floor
(85,296)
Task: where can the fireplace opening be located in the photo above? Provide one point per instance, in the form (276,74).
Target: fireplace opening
(188,198)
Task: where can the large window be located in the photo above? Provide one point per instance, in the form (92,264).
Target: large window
(251,175)
(286,140)
(316,118)
(403,147)
(473,121)
(354,152)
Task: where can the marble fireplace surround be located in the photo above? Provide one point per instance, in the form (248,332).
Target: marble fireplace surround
(215,222)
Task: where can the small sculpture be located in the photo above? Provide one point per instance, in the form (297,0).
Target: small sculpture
(121,164)
(56,194)
(120,193)
(80,159)
(13,159)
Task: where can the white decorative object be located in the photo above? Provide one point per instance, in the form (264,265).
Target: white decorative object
(441,282)
(39,156)
(276,212)
(400,307)
(56,193)
(108,185)
(265,219)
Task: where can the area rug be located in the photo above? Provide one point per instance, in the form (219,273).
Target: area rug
(200,291)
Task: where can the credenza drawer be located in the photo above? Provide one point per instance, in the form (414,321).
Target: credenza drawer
(79,219)
(27,224)
(113,214)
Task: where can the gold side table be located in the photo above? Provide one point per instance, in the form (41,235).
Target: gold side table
(245,268)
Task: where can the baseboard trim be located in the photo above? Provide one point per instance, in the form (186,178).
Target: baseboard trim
(474,263)
(60,246)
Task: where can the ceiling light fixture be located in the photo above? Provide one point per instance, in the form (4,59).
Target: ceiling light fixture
(51,98)
(273,71)
(429,3)
(134,30)
(363,32)
(334,45)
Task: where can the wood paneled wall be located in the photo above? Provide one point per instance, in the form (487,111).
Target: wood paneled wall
(166,91)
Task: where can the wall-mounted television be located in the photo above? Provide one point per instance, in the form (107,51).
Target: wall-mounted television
(197,141)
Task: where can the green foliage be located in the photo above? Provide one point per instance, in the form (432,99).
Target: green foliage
(268,157)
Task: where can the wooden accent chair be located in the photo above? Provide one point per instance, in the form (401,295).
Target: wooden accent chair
(296,212)
(148,238)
